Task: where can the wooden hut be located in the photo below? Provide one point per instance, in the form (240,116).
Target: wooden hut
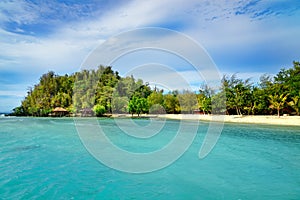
(198,112)
(59,112)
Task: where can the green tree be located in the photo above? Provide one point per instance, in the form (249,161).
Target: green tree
(127,86)
(188,101)
(238,93)
(171,103)
(61,100)
(99,110)
(19,111)
(204,98)
(218,103)
(52,90)
(156,101)
(277,102)
(204,103)
(260,100)
(143,91)
(290,79)
(119,104)
(295,103)
(104,87)
(138,105)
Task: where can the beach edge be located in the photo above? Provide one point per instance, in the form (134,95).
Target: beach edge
(244,119)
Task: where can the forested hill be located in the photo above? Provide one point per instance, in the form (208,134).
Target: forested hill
(104,91)
(86,90)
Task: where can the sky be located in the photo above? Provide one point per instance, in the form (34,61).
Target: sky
(248,37)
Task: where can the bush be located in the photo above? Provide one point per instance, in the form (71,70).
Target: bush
(99,110)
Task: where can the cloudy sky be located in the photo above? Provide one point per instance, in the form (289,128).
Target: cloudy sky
(250,37)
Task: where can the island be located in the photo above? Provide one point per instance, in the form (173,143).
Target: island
(103,92)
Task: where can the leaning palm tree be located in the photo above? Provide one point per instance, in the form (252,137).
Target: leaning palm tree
(295,104)
(277,102)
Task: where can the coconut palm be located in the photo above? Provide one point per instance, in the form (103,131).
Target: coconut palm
(277,102)
(295,104)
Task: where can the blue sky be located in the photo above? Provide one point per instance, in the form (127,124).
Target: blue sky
(248,37)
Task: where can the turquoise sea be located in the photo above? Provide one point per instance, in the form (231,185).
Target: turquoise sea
(43,158)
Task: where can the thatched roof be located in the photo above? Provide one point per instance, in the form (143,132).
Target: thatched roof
(59,109)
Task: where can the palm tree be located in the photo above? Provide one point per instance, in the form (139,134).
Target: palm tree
(277,102)
(295,104)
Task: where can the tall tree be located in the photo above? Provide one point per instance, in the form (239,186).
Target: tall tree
(156,101)
(204,103)
(237,92)
(188,101)
(277,102)
(171,103)
(138,105)
(290,78)
(295,104)
(120,104)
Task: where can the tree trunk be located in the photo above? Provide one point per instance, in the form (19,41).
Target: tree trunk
(278,112)
(238,111)
(227,113)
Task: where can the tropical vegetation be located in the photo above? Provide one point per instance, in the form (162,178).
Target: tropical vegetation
(104,91)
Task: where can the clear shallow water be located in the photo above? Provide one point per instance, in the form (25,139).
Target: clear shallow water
(43,158)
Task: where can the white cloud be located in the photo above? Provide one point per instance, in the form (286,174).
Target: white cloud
(15,93)
(18,11)
(25,52)
(211,23)
(11,96)
(71,43)
(132,15)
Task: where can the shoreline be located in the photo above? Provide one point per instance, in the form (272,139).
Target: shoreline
(245,119)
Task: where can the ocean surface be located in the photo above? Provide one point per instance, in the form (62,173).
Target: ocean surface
(44,158)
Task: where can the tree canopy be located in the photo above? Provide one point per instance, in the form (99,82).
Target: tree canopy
(104,91)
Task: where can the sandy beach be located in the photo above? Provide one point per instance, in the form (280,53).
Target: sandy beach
(258,119)
(275,120)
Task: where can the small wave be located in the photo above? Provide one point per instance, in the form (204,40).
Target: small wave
(25,148)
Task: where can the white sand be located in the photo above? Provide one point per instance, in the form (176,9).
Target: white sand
(257,119)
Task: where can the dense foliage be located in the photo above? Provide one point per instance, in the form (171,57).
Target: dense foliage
(52,91)
(104,91)
(272,95)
